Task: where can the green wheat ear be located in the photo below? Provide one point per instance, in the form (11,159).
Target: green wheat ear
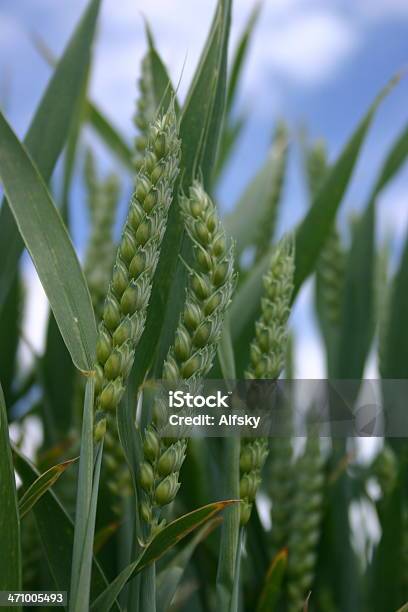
(304,526)
(330,268)
(279,156)
(267,359)
(145,111)
(125,308)
(190,358)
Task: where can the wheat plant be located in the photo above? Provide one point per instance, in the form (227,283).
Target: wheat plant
(111,509)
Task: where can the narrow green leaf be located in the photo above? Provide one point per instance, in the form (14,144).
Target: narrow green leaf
(161,543)
(246,222)
(230,550)
(10,325)
(83,592)
(56,531)
(169,579)
(50,247)
(312,232)
(386,589)
(357,315)
(87,491)
(110,135)
(40,486)
(241,53)
(268,600)
(10,544)
(404,608)
(163,90)
(393,162)
(57,372)
(204,108)
(49,129)
(395,360)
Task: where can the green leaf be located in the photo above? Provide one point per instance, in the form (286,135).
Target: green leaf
(110,135)
(86,503)
(395,158)
(387,589)
(241,53)
(269,597)
(230,549)
(56,531)
(49,130)
(357,314)
(57,372)
(404,608)
(312,232)
(162,88)
(10,325)
(40,486)
(170,577)
(50,247)
(395,360)
(246,222)
(10,544)
(161,543)
(203,111)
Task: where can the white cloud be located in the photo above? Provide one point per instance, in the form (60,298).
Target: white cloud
(305,47)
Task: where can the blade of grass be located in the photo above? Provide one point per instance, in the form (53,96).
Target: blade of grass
(56,531)
(10,542)
(229,553)
(87,492)
(269,597)
(57,372)
(49,130)
(163,90)
(50,247)
(170,577)
(357,315)
(240,55)
(40,486)
(161,543)
(247,220)
(312,232)
(109,134)
(10,325)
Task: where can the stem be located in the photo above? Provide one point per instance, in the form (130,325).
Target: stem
(229,549)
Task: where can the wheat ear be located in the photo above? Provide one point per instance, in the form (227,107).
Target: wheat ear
(125,308)
(191,356)
(267,358)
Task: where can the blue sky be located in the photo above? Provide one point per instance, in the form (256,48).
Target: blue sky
(317,63)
